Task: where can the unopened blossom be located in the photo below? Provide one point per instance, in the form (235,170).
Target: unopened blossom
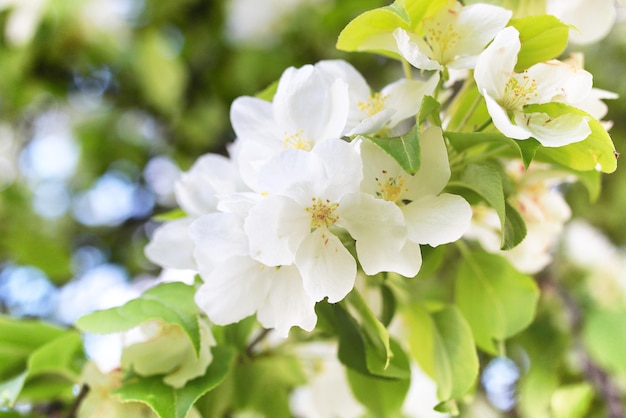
(371,112)
(430,216)
(507,92)
(311,197)
(454,37)
(543,209)
(306,109)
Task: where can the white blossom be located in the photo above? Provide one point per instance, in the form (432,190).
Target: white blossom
(507,92)
(454,37)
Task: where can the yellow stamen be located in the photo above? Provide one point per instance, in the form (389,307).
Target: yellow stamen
(322,213)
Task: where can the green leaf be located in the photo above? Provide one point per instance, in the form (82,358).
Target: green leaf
(169,302)
(168,402)
(418,10)
(604,335)
(543,38)
(596,152)
(429,107)
(443,345)
(372,31)
(405,149)
(382,397)
(161,74)
(18,339)
(263,385)
(572,401)
(526,149)
(514,228)
(171,215)
(268,93)
(356,350)
(57,357)
(375,333)
(497,300)
(486,181)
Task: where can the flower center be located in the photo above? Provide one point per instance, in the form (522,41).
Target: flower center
(390,188)
(519,91)
(441,35)
(373,105)
(322,213)
(297,141)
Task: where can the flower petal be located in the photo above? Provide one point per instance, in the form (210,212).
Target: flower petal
(405,97)
(502,122)
(434,171)
(436,220)
(210,175)
(235,289)
(304,102)
(555,132)
(171,246)
(415,50)
(287,303)
(327,268)
(495,65)
(275,227)
(477,25)
(560,82)
(253,120)
(377,226)
(217,236)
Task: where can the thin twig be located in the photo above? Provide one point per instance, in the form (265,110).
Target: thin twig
(256,341)
(84,390)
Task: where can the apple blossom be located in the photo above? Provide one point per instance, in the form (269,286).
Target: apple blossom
(507,92)
(311,197)
(431,217)
(454,37)
(306,110)
(370,113)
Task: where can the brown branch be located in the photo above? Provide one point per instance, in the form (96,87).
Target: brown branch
(84,390)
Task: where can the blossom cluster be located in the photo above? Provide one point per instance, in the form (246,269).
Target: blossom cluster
(276,226)
(305,198)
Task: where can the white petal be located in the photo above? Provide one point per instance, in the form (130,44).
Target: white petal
(294,169)
(495,65)
(327,268)
(210,175)
(218,236)
(415,50)
(560,82)
(252,156)
(556,132)
(405,96)
(377,165)
(234,290)
(305,102)
(377,226)
(275,227)
(343,168)
(287,303)
(171,246)
(592,19)
(253,120)
(477,25)
(502,122)
(436,220)
(434,171)
(373,124)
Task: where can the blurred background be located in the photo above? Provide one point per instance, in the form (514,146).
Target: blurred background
(104,102)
